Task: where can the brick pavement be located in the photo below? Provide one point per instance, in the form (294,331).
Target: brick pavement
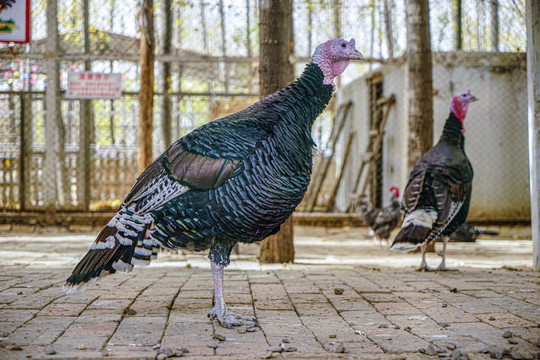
(382,313)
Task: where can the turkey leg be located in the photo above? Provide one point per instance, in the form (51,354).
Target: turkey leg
(423,265)
(442,265)
(219,311)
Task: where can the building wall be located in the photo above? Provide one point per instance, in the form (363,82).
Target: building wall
(496,128)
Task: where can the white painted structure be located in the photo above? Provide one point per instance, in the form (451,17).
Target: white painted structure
(496,128)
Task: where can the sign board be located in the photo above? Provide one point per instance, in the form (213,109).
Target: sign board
(15,21)
(91,85)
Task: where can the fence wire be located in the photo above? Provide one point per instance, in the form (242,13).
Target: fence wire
(212,57)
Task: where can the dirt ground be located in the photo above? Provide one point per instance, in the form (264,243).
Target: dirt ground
(344,297)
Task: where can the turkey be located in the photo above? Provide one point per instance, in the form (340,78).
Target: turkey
(382,221)
(469,233)
(437,197)
(235,179)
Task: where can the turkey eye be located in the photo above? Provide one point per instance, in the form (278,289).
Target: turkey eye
(343,45)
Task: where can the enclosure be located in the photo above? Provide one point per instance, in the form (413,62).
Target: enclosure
(67,162)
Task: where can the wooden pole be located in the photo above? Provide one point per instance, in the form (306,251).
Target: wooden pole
(533,91)
(332,200)
(85,125)
(166,73)
(274,73)
(52,95)
(494,12)
(458,27)
(146,92)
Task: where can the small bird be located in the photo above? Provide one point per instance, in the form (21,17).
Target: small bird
(469,233)
(437,197)
(381,221)
(235,179)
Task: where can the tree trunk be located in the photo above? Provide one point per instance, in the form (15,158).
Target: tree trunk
(275,71)
(533,99)
(146,92)
(420,80)
(388,28)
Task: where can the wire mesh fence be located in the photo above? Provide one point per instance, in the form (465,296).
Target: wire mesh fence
(206,66)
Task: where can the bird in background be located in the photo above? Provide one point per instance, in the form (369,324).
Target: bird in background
(437,197)
(468,233)
(235,179)
(381,221)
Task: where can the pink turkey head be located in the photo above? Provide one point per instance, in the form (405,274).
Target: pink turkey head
(459,105)
(333,57)
(395,191)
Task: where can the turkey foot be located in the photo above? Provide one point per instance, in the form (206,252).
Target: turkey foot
(228,320)
(219,311)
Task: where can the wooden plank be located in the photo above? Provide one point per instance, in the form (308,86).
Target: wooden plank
(332,200)
(324,165)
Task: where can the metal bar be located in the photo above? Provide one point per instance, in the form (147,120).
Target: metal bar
(533,85)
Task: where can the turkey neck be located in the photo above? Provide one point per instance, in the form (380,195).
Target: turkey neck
(452,131)
(295,108)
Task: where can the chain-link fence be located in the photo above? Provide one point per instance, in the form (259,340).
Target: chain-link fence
(84,158)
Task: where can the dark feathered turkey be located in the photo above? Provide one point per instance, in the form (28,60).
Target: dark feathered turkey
(437,197)
(469,233)
(235,179)
(382,221)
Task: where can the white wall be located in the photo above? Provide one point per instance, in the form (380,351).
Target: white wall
(496,128)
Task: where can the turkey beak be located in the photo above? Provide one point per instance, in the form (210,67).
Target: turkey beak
(356,55)
(473,98)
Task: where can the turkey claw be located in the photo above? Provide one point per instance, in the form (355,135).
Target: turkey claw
(228,320)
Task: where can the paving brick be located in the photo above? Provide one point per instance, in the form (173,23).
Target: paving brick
(62,310)
(395,308)
(504,320)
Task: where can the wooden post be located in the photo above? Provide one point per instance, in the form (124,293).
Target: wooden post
(85,125)
(458,27)
(146,92)
(166,73)
(332,200)
(494,12)
(533,91)
(274,73)
(420,80)
(52,107)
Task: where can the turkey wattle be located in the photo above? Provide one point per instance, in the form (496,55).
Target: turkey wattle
(235,179)
(437,197)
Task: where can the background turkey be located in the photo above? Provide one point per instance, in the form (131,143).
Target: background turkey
(469,233)
(235,179)
(437,197)
(381,221)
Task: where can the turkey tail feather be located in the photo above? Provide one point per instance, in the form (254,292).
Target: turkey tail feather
(112,251)
(416,228)
(410,238)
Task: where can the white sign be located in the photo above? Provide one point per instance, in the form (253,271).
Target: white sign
(90,85)
(15,21)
